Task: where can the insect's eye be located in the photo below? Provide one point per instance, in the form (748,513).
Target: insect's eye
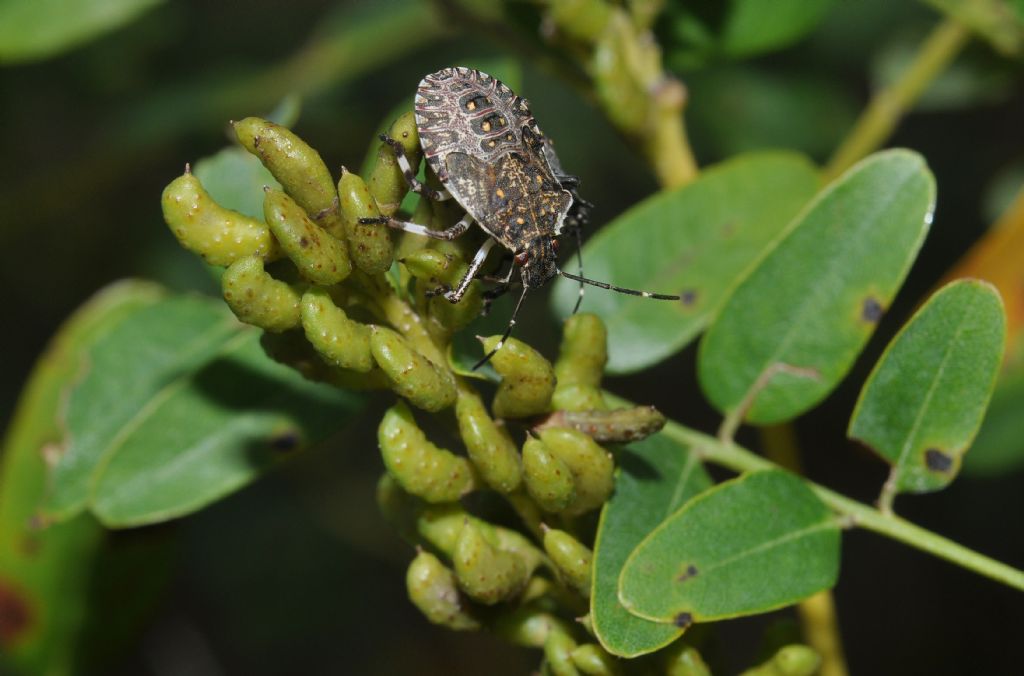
(522,258)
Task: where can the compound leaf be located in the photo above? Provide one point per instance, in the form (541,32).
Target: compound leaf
(178,406)
(793,326)
(655,477)
(695,241)
(924,401)
(753,544)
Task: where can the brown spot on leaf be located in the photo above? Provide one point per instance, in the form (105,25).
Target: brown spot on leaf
(303,242)
(937,461)
(690,572)
(872,310)
(683,620)
(15,614)
(688,296)
(285,441)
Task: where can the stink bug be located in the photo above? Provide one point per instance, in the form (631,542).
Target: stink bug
(482,142)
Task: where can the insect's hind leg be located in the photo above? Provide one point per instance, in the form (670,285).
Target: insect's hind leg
(448,234)
(409,174)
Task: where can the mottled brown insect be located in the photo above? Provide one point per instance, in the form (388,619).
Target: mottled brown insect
(482,142)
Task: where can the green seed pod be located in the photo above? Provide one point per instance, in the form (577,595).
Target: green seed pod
(617,426)
(486,573)
(584,351)
(420,467)
(558,651)
(440,526)
(790,660)
(592,660)
(296,166)
(257,298)
(684,660)
(369,245)
(577,398)
(292,349)
(591,466)
(425,384)
(386,182)
(220,236)
(528,625)
(433,590)
(527,382)
(434,269)
(489,446)
(339,340)
(571,557)
(548,480)
(320,258)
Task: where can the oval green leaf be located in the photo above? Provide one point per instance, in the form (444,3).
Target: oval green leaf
(177,407)
(755,26)
(695,241)
(655,477)
(794,325)
(924,401)
(753,544)
(36,29)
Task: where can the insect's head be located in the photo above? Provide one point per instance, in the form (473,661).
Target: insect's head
(538,261)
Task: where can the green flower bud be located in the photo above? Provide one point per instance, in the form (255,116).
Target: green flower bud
(548,479)
(339,340)
(257,298)
(528,625)
(369,245)
(435,269)
(584,352)
(320,258)
(558,651)
(591,466)
(527,382)
(489,446)
(292,349)
(296,166)
(386,182)
(571,557)
(432,589)
(220,236)
(485,572)
(592,660)
(425,384)
(420,467)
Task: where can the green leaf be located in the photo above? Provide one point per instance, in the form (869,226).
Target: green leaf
(655,477)
(695,241)
(43,570)
(179,407)
(36,29)
(754,26)
(753,544)
(794,325)
(999,446)
(924,401)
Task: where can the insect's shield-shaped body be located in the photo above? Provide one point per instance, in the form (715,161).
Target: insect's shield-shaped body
(482,142)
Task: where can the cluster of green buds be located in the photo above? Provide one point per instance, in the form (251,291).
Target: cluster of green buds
(355,306)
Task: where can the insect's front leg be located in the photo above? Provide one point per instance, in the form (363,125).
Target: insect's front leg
(417,229)
(415,185)
(456,294)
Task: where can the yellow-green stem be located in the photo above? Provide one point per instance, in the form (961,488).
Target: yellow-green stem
(856,514)
(888,105)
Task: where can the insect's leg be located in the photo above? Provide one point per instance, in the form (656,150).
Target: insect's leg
(455,295)
(415,184)
(508,330)
(417,229)
(497,292)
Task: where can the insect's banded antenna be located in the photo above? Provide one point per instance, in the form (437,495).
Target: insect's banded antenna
(611,287)
(579,257)
(508,330)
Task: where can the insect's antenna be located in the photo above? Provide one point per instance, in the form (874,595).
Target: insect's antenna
(610,287)
(508,331)
(579,257)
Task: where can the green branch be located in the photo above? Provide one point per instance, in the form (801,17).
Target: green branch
(891,103)
(736,458)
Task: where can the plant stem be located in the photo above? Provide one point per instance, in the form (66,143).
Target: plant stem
(856,514)
(888,105)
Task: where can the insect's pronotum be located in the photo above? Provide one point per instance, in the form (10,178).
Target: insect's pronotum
(482,142)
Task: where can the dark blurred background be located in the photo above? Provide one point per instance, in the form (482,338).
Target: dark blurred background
(298,574)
